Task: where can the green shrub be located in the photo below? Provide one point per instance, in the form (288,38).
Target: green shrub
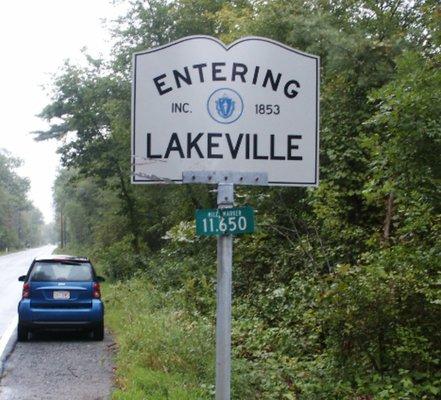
(162,353)
(118,261)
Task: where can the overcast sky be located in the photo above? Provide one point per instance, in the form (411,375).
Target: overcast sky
(36,36)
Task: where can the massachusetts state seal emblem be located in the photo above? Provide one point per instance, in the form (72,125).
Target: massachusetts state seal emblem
(225,105)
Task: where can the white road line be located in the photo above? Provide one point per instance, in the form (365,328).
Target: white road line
(7,335)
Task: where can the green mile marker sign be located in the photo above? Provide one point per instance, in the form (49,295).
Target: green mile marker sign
(224,221)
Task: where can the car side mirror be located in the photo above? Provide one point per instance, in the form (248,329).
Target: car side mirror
(100,279)
(22,278)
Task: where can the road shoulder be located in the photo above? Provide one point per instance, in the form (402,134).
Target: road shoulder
(7,343)
(62,366)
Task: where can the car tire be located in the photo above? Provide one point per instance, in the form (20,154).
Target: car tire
(98,331)
(22,333)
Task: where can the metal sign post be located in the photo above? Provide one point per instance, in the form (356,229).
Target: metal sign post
(203,110)
(225,199)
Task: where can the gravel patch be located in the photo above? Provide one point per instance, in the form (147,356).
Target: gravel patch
(59,366)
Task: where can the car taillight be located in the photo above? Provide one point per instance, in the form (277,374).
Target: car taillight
(96,291)
(26,290)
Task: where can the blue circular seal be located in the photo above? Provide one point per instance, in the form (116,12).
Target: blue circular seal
(225,105)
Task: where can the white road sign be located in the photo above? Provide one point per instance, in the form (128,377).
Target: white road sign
(252,106)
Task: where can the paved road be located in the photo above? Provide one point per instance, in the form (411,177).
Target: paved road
(59,367)
(62,366)
(11,267)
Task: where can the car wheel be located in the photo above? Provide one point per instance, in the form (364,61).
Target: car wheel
(98,332)
(22,333)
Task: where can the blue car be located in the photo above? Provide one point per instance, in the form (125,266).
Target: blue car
(61,293)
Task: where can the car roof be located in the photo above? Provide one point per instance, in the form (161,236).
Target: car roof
(63,257)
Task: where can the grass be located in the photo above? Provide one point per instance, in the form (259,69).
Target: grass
(162,353)
(165,347)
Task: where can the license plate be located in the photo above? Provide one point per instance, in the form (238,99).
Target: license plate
(61,295)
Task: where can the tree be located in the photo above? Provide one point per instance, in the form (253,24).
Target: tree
(347,268)
(20,221)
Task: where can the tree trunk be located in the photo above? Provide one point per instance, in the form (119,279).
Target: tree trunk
(61,230)
(129,203)
(388,217)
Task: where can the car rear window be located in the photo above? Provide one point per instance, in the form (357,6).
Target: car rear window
(61,271)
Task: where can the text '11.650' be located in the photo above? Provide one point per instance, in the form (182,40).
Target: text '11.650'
(227,221)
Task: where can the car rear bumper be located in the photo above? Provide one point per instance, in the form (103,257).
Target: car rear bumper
(60,318)
(59,326)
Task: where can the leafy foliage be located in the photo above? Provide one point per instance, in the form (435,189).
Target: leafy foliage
(164,354)
(336,296)
(21,224)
